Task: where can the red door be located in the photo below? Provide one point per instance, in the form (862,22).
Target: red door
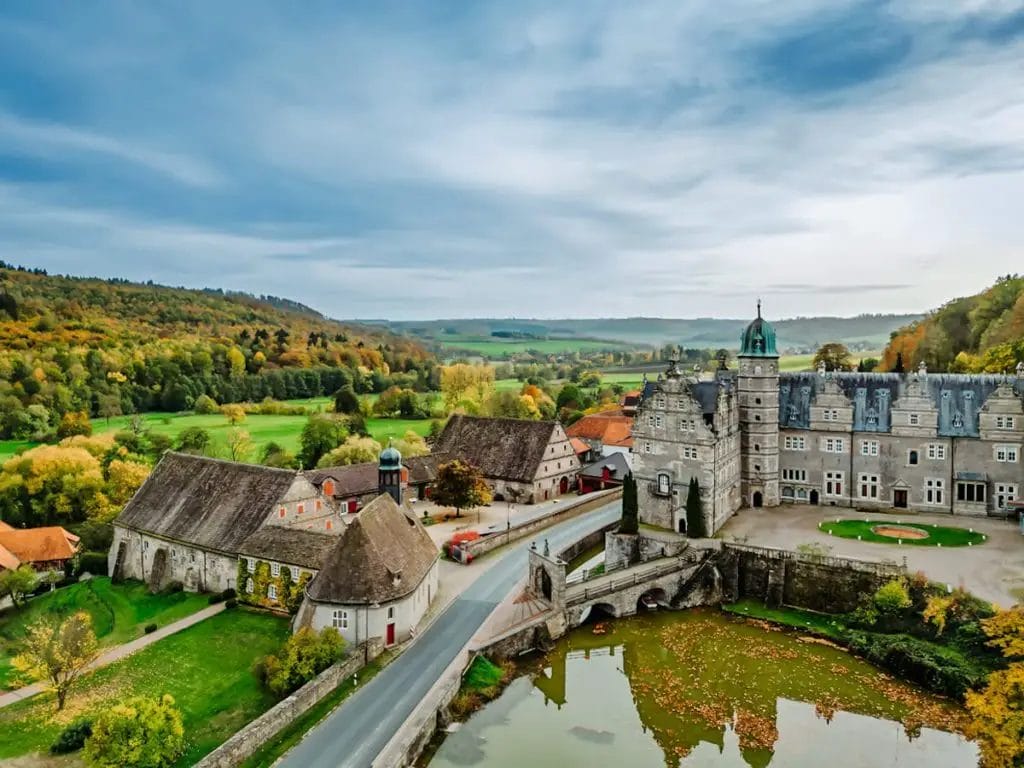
(390,635)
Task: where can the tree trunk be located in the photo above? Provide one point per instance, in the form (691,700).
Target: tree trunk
(62,694)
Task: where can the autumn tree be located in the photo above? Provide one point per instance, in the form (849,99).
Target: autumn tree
(304,655)
(466,384)
(74,423)
(997,711)
(205,405)
(108,405)
(411,444)
(834,356)
(18,582)
(459,484)
(140,731)
(57,654)
(355,450)
(630,522)
(234,413)
(239,444)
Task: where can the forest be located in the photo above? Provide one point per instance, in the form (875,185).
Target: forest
(110,347)
(972,334)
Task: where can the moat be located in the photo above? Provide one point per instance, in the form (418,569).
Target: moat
(701,688)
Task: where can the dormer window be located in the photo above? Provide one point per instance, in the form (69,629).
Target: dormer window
(328,487)
(914,419)
(1004,422)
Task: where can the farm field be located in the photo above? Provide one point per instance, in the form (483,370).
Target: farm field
(499,348)
(206,668)
(263,429)
(119,612)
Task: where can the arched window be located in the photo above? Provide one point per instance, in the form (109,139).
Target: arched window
(248,586)
(912,458)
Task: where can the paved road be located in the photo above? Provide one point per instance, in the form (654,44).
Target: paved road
(354,734)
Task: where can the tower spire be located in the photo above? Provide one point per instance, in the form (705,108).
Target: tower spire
(758,307)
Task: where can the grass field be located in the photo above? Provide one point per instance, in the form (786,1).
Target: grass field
(936,535)
(263,429)
(206,668)
(499,348)
(119,613)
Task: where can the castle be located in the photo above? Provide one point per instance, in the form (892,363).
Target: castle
(753,436)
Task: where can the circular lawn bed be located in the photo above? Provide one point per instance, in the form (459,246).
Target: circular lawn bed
(899,532)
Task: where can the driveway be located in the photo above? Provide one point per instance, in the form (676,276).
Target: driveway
(993,571)
(356,732)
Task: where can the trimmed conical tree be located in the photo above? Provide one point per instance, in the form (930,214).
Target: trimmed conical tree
(694,512)
(630,508)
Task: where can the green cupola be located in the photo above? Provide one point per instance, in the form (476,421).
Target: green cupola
(758,340)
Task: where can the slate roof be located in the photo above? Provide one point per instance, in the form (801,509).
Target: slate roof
(705,392)
(616,462)
(381,556)
(208,503)
(505,449)
(35,545)
(361,479)
(958,398)
(295,546)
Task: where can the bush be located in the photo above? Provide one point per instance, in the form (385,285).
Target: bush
(149,629)
(206,405)
(228,594)
(892,597)
(232,603)
(303,656)
(93,562)
(140,731)
(72,738)
(216,597)
(172,587)
(933,667)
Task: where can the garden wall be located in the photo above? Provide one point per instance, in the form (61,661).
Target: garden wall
(252,737)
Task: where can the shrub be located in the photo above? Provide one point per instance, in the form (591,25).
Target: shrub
(303,656)
(140,731)
(172,587)
(216,597)
(228,594)
(72,738)
(892,597)
(232,603)
(206,405)
(149,629)
(93,562)
(919,661)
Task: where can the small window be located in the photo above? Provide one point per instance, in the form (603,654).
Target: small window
(250,564)
(300,509)
(664,483)
(318,505)
(912,458)
(328,524)
(391,613)
(915,419)
(249,586)
(272,592)
(282,512)
(757,401)
(339,620)
(275,569)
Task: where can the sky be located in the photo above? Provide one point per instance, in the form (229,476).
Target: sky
(574,159)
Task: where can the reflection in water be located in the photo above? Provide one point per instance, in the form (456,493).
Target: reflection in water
(700,689)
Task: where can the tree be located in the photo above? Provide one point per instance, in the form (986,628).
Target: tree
(997,712)
(355,450)
(892,597)
(74,423)
(142,732)
(630,508)
(18,582)
(466,383)
(58,654)
(235,413)
(109,405)
(275,455)
(239,444)
(695,527)
(205,405)
(304,655)
(460,485)
(322,433)
(193,440)
(835,356)
(346,400)
(411,444)
(1005,631)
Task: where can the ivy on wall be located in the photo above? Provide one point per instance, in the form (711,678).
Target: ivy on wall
(289,592)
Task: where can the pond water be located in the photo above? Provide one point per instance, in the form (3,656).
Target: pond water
(701,688)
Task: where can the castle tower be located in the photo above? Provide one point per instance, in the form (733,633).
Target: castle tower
(391,475)
(758,389)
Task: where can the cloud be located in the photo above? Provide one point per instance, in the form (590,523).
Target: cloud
(672,159)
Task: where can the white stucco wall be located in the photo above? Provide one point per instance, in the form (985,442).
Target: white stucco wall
(199,570)
(371,621)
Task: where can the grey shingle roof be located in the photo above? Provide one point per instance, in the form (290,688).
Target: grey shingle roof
(506,449)
(294,546)
(382,555)
(616,462)
(360,479)
(209,503)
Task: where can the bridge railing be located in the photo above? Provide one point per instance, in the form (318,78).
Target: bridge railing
(577,595)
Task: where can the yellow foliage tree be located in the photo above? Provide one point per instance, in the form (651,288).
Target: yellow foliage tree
(57,654)
(997,712)
(234,413)
(1005,631)
(411,444)
(462,382)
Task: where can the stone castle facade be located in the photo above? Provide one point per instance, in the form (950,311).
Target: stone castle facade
(753,436)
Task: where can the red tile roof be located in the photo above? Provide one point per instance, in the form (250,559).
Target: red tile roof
(37,545)
(610,428)
(578,446)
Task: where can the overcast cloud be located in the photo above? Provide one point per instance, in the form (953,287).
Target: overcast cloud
(449,159)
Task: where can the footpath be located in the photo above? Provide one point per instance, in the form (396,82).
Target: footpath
(119,652)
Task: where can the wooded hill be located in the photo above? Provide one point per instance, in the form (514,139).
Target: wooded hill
(71,344)
(865,332)
(977,333)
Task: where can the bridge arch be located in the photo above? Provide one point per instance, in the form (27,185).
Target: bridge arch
(652,597)
(596,612)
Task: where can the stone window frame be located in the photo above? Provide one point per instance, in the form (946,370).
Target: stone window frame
(339,618)
(868,484)
(869,447)
(663,485)
(272,591)
(1006,453)
(275,570)
(913,457)
(914,419)
(833,483)
(971,491)
(934,491)
(794,475)
(833,445)
(250,564)
(794,443)
(1008,491)
(936,452)
(1004,422)
(250,586)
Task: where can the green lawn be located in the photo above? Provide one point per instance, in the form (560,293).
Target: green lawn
(947,536)
(790,363)
(206,668)
(498,348)
(822,623)
(119,613)
(382,429)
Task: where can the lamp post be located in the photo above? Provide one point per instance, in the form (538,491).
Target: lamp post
(508,523)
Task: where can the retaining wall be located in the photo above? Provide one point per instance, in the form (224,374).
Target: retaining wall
(485,544)
(252,737)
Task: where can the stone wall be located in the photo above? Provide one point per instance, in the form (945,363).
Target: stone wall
(252,737)
(780,577)
(573,508)
(580,546)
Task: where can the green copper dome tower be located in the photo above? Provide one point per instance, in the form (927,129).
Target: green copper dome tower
(758,340)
